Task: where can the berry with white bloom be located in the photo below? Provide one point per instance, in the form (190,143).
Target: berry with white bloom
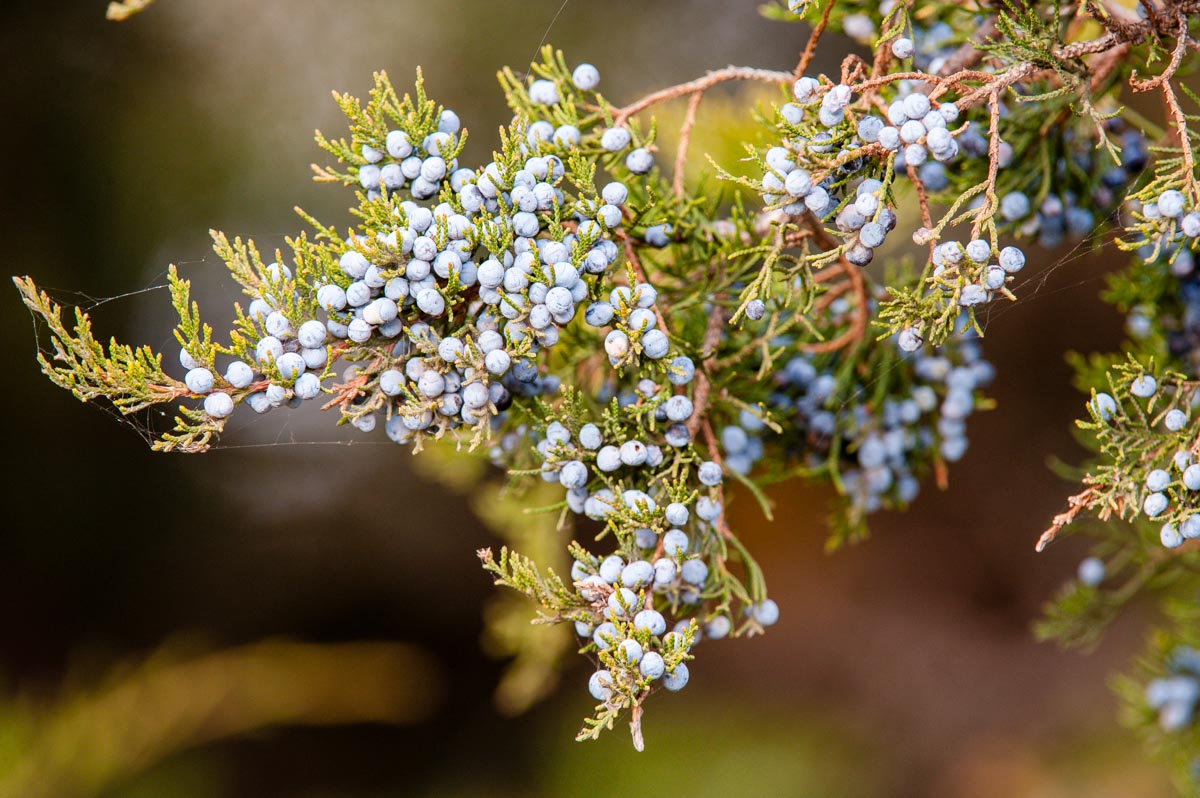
(652,665)
(600,685)
(586,77)
(199,380)
(677,679)
(218,405)
(1144,386)
(1091,571)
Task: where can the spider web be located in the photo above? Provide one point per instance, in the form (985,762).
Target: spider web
(149,424)
(1030,289)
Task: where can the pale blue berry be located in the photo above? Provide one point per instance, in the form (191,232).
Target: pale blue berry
(187,361)
(354,263)
(1170,536)
(1175,420)
(678,436)
(655,344)
(585,77)
(1191,225)
(238,374)
(709,474)
(391,382)
(1191,477)
(909,339)
(199,380)
(1157,480)
(1104,406)
(397,144)
(431,302)
(676,514)
(633,453)
(868,130)
(652,665)
(665,570)
(1170,203)
(708,509)
(290,365)
(610,568)
(972,294)
(1091,571)
(639,161)
(631,650)
(368,177)
(605,636)
(979,250)
(718,627)
(218,405)
(1144,386)
(682,370)
(650,621)
(590,437)
(268,349)
(637,574)
(1012,260)
(311,334)
(543,92)
(916,105)
(694,572)
(621,601)
(805,88)
(574,474)
(600,685)
(677,679)
(1154,505)
(615,139)
(675,543)
(766,612)
(308,386)
(608,459)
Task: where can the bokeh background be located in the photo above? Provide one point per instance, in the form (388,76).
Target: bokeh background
(902,667)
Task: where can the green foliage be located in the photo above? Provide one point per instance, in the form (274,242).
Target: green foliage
(762,289)
(131,378)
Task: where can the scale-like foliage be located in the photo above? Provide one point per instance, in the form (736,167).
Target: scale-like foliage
(634,340)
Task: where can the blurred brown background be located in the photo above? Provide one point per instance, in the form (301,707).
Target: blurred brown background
(903,667)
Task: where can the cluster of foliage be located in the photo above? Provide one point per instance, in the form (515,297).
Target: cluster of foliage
(590,318)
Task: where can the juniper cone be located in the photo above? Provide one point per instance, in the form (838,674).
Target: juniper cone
(590,309)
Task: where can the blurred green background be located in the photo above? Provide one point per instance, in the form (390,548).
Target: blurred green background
(903,667)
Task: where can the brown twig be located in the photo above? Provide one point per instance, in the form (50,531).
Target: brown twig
(858,326)
(685,138)
(714,452)
(968,54)
(702,84)
(989,206)
(635,727)
(810,48)
(708,352)
(1075,504)
(1163,81)
(854,274)
(914,177)
(346,392)
(636,264)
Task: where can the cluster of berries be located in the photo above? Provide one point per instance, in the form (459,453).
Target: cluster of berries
(1174,696)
